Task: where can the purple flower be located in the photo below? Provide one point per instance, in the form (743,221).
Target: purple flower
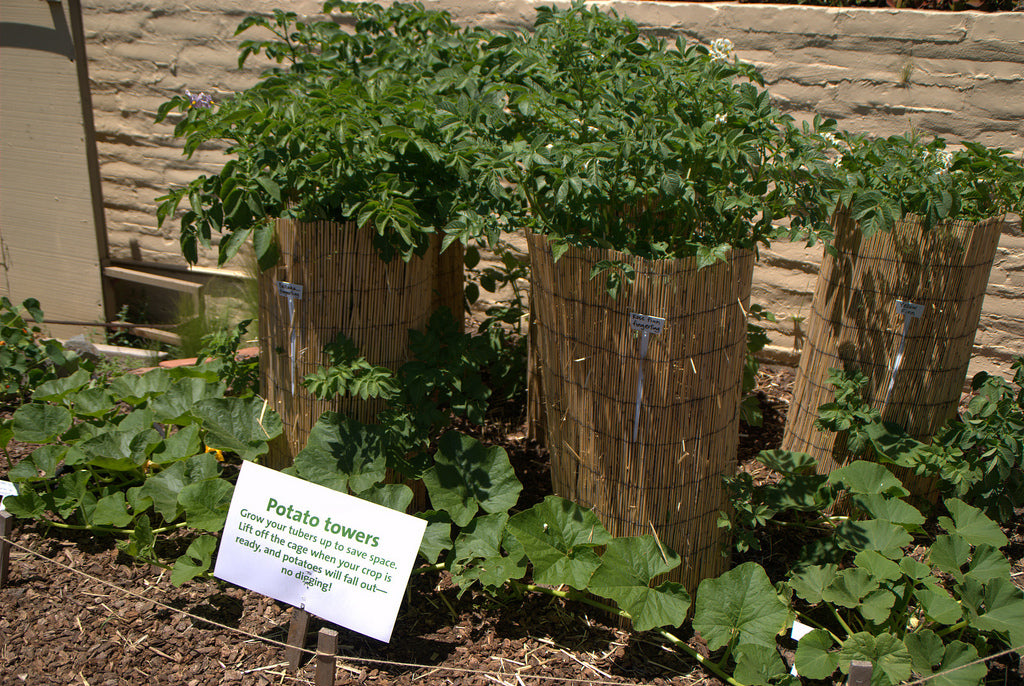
(199,100)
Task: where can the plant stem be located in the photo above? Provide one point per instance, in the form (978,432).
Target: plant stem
(110,529)
(839,618)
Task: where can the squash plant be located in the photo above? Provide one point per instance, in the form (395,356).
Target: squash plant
(614,139)
(140,474)
(352,130)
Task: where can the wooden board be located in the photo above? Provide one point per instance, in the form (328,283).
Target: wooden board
(51,222)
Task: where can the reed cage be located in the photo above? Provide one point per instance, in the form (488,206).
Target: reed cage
(668,481)
(346,288)
(856,323)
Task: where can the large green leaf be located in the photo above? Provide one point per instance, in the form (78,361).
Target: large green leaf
(559,537)
(949,554)
(886,652)
(849,587)
(468,476)
(863,477)
(878,566)
(477,555)
(141,541)
(890,509)
(41,465)
(206,503)
(180,445)
(111,511)
(243,426)
(814,656)
(627,568)
(164,487)
(396,497)
(987,563)
(873,534)
(757,664)
(811,581)
(343,454)
(438,536)
(971,524)
(1003,611)
(93,402)
(119,451)
(40,423)
(937,604)
(877,605)
(741,604)
(195,561)
(175,406)
(930,657)
(55,390)
(136,389)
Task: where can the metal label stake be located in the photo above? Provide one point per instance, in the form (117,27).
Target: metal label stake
(292,291)
(645,324)
(910,312)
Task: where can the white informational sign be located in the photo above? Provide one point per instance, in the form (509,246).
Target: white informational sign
(6,489)
(292,291)
(645,324)
(338,557)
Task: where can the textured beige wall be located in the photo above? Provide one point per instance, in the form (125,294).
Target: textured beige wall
(959,75)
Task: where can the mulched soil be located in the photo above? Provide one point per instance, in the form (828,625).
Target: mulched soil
(61,623)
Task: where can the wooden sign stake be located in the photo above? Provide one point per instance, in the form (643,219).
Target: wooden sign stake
(860,673)
(326,651)
(296,638)
(6,527)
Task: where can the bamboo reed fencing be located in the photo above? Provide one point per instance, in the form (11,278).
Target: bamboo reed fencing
(346,288)
(855,323)
(669,480)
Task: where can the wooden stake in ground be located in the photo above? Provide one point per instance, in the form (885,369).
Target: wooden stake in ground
(326,660)
(902,307)
(6,528)
(297,629)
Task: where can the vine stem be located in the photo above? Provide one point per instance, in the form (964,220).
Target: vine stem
(676,642)
(112,530)
(849,631)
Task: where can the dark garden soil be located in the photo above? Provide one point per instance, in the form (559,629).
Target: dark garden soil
(75,611)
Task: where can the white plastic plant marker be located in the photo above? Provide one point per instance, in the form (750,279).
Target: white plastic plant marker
(645,324)
(6,488)
(910,312)
(343,559)
(292,291)
(798,631)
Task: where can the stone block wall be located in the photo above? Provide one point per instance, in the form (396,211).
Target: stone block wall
(957,75)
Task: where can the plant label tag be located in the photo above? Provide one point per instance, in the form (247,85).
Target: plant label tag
(645,323)
(292,291)
(289,290)
(338,557)
(6,489)
(909,309)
